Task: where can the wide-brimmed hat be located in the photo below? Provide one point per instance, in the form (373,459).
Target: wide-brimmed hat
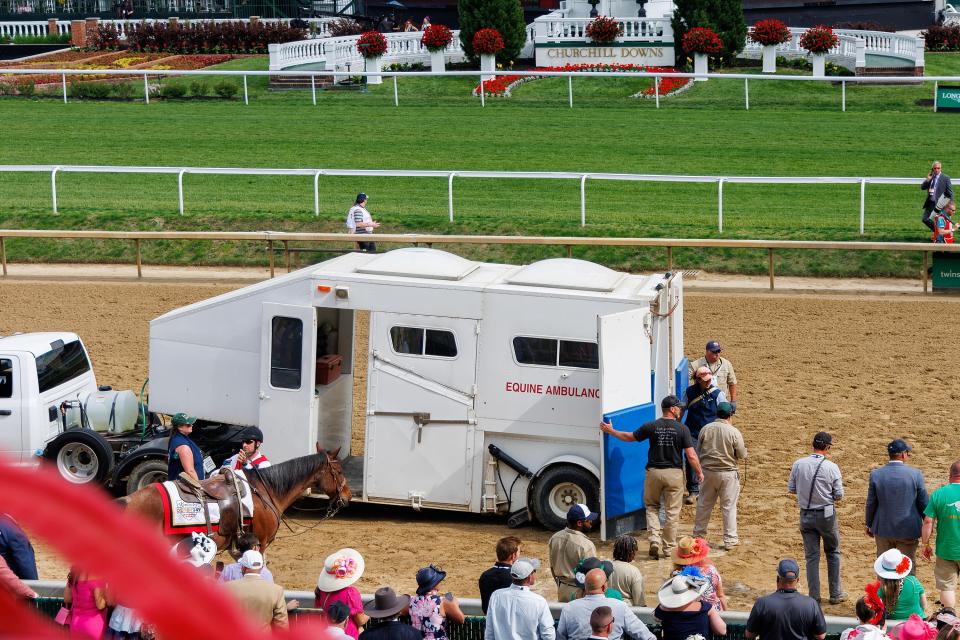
(892,565)
(386,603)
(916,629)
(681,590)
(340,570)
(428,578)
(690,550)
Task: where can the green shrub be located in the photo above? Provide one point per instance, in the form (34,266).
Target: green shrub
(506,16)
(125,90)
(89,90)
(46,39)
(725,17)
(198,88)
(5,89)
(172,90)
(26,88)
(225,89)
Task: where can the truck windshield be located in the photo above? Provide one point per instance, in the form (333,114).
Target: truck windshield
(61,364)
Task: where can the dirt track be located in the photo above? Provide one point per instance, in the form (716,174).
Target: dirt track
(858,367)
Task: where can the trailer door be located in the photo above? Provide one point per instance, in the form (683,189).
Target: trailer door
(11,409)
(288,404)
(420,402)
(626,387)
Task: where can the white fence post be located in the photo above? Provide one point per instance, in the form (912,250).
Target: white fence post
(656,89)
(180,189)
(746,93)
(583,200)
(482,100)
(720,205)
(843,94)
(64,78)
(53,187)
(246,98)
(396,96)
(316,192)
(863,189)
(313,88)
(146,90)
(570,89)
(450,194)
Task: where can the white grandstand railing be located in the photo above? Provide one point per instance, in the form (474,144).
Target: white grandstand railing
(34,28)
(950,16)
(853,48)
(555,28)
(449,175)
(320,27)
(341,54)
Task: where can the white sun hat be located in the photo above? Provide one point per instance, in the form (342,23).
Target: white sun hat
(892,565)
(340,570)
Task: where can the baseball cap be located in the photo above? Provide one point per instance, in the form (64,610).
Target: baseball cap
(714,346)
(704,372)
(581,512)
(361,196)
(522,568)
(670,401)
(251,559)
(182,418)
(898,446)
(725,410)
(788,569)
(822,439)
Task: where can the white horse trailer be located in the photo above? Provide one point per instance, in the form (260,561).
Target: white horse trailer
(484,386)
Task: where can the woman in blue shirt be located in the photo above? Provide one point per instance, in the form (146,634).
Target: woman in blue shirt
(183,454)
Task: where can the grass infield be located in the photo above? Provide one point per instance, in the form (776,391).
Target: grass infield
(791,129)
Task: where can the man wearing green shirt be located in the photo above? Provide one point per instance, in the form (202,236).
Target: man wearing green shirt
(944,507)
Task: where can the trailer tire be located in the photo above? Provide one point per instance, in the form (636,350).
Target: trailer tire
(81,456)
(146,473)
(559,488)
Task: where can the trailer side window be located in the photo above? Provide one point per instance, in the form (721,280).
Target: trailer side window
(6,378)
(584,355)
(541,351)
(286,351)
(61,364)
(416,341)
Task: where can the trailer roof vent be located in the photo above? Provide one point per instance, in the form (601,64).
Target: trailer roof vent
(567,273)
(417,262)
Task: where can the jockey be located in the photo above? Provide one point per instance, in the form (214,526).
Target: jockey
(249,455)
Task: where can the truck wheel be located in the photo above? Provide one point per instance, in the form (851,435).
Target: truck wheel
(559,488)
(145,474)
(81,456)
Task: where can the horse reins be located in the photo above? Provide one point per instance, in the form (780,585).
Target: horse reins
(333,506)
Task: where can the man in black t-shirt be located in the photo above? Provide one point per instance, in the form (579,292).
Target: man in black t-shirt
(663,483)
(786,614)
(498,576)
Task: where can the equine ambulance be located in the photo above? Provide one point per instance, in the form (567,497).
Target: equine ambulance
(461,385)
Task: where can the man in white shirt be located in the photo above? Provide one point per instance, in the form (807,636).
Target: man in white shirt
(360,221)
(516,613)
(575,620)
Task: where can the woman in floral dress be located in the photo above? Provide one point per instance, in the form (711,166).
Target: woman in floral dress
(429,610)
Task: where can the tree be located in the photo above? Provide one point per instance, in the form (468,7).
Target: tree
(506,16)
(725,17)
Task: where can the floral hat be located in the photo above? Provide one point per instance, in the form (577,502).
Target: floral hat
(892,565)
(340,570)
(690,550)
(916,629)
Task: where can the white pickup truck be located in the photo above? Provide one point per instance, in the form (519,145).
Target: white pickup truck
(51,408)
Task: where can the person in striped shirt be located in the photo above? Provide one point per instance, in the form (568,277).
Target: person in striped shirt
(360,221)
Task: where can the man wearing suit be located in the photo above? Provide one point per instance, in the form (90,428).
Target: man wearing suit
(936,185)
(262,600)
(896,498)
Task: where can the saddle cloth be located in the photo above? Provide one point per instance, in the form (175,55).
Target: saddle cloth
(184,514)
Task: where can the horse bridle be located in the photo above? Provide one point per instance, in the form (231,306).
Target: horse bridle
(333,505)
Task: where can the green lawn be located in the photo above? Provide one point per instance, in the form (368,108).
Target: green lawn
(792,128)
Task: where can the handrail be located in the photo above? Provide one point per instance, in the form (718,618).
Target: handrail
(568,242)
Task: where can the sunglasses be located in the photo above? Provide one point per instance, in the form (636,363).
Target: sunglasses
(249,441)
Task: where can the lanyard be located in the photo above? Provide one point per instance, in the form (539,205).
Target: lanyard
(813,480)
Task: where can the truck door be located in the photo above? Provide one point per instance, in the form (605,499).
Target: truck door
(288,405)
(626,387)
(420,408)
(11,410)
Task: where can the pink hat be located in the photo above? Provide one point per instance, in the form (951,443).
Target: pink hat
(916,629)
(704,373)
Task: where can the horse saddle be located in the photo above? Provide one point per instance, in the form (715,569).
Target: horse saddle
(227,490)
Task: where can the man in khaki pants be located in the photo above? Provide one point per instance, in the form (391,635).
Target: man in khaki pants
(664,482)
(721,448)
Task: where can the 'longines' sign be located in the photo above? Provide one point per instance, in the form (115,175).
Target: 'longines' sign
(552,55)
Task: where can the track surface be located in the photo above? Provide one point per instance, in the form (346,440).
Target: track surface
(862,368)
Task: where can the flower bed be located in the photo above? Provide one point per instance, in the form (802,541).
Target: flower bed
(189,63)
(502,86)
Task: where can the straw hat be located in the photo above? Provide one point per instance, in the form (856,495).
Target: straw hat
(340,570)
(690,550)
(892,565)
(680,591)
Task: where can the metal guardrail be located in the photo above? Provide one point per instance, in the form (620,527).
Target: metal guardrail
(316,174)
(416,239)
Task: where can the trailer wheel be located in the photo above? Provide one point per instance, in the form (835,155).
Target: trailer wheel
(146,473)
(559,488)
(81,456)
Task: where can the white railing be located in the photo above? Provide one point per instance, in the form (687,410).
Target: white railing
(555,28)
(853,48)
(951,16)
(449,176)
(320,27)
(31,28)
(341,54)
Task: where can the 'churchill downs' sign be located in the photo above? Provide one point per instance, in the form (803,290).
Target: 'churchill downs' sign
(651,54)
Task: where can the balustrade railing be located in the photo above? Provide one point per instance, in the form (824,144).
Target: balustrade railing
(319,27)
(555,27)
(341,54)
(852,50)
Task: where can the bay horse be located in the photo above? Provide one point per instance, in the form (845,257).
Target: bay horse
(274,489)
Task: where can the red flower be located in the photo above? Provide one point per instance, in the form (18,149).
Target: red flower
(702,40)
(819,39)
(372,44)
(436,37)
(487,42)
(604,29)
(770,32)
(904,565)
(499,85)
